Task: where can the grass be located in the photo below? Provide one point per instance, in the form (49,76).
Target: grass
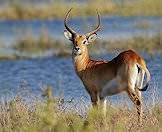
(57,9)
(142,7)
(139,43)
(45,43)
(50,114)
(30,43)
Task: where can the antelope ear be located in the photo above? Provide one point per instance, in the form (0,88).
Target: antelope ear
(92,38)
(67,34)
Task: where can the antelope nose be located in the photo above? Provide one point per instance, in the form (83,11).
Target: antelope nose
(76,48)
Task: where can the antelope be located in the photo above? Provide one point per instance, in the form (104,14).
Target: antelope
(103,78)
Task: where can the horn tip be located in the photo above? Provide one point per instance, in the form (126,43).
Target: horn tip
(70,9)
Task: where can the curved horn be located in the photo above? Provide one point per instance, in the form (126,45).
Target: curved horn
(98,26)
(65,23)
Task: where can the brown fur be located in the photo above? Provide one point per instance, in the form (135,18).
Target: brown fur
(95,74)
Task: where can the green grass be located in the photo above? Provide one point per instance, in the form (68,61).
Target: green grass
(58,9)
(48,114)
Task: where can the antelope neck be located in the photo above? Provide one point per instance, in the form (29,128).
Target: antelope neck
(81,61)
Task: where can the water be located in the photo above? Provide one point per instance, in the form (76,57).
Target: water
(33,74)
(113,27)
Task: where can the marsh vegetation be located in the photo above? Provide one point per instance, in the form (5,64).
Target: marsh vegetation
(57,9)
(60,48)
(52,114)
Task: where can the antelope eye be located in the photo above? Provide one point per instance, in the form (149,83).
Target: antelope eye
(84,42)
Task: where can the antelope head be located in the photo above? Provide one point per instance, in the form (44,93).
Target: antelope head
(80,41)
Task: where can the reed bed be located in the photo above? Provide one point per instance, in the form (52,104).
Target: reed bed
(147,44)
(61,48)
(57,9)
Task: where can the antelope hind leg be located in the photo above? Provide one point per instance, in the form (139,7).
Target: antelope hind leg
(136,99)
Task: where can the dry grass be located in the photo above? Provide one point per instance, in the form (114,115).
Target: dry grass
(44,43)
(142,8)
(58,9)
(55,10)
(50,114)
(139,43)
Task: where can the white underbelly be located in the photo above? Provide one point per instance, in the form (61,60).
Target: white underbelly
(118,84)
(112,87)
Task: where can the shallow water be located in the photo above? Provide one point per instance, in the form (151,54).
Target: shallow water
(32,74)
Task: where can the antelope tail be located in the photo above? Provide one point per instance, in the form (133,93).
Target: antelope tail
(140,80)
